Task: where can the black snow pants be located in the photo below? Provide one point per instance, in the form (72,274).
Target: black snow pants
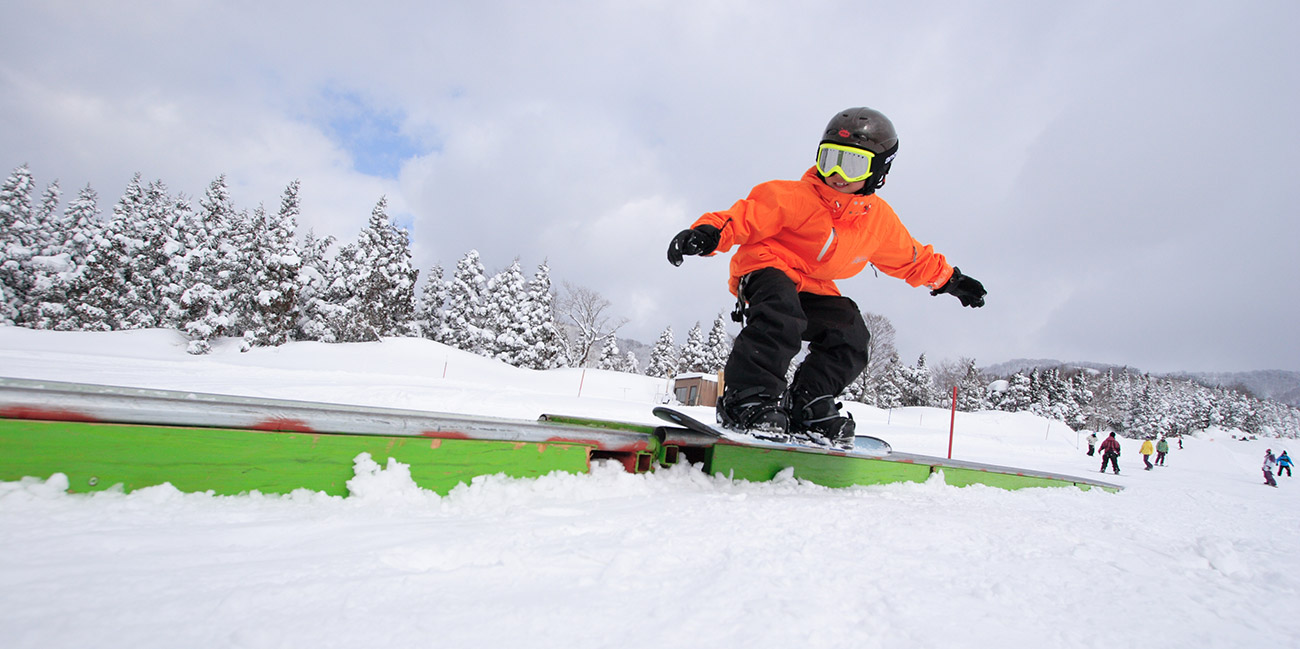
(777,319)
(1111,458)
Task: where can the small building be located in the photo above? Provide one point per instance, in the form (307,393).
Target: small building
(696,389)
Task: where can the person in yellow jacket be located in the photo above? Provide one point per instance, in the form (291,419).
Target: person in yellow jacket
(1146,451)
(793,239)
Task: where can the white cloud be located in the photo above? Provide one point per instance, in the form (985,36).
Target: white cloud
(1048,149)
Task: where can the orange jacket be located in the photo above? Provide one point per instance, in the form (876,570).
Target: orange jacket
(817,235)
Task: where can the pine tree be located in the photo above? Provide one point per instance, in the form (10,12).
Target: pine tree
(316,277)
(17,243)
(92,292)
(50,259)
(888,393)
(718,345)
(149,220)
(917,385)
(433,297)
(377,285)
(610,357)
(543,343)
(239,268)
(205,301)
(50,226)
(1018,395)
(695,357)
(465,311)
(274,288)
(663,358)
(971,396)
(506,332)
(105,290)
(631,364)
(57,283)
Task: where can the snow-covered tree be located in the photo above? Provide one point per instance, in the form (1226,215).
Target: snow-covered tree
(433,297)
(274,285)
(1018,396)
(971,392)
(377,282)
(205,293)
(916,385)
(463,328)
(695,357)
(663,358)
(150,226)
(610,357)
(544,345)
(506,331)
(631,364)
(718,345)
(887,393)
(54,290)
(316,277)
(17,243)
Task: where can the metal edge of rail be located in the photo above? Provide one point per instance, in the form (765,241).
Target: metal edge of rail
(90,403)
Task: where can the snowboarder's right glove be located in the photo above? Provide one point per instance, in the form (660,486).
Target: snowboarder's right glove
(965,288)
(700,240)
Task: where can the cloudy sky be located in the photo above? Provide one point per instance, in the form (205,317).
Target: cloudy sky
(1123,176)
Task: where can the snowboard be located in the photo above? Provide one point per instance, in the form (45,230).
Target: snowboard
(862,444)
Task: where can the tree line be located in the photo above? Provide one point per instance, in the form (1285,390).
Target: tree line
(213,270)
(1129,402)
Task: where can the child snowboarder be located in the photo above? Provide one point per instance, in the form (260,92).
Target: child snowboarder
(1284,464)
(1162,449)
(1269,463)
(1110,453)
(1092,444)
(794,238)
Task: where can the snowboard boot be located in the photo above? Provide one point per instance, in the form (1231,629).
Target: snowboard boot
(817,419)
(755,413)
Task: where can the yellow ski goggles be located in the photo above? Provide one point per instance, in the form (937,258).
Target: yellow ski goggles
(853,164)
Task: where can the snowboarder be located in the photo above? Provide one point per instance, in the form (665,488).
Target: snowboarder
(1269,463)
(1110,453)
(1146,452)
(794,238)
(1162,449)
(1092,443)
(1284,464)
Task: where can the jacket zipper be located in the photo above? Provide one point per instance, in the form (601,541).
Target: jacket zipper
(826,248)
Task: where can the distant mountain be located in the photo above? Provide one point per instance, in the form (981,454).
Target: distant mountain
(1279,385)
(1026,364)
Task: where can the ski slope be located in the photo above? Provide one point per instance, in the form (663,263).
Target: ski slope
(1198,553)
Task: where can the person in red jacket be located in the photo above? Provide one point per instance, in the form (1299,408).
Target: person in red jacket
(793,239)
(1110,453)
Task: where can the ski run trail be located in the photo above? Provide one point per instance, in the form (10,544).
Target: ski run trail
(1198,553)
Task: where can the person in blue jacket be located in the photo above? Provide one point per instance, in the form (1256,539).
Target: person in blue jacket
(1284,464)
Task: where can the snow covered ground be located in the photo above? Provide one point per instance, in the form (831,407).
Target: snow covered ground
(1198,553)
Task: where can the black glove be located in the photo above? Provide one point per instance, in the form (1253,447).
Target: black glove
(967,289)
(701,240)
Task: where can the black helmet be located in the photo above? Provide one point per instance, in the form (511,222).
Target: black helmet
(869,129)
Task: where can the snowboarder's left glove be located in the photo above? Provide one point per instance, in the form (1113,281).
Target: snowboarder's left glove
(965,288)
(700,240)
